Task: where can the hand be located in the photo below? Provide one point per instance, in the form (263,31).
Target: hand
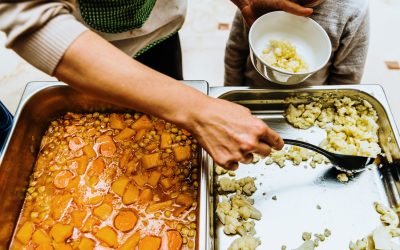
(252,9)
(230,133)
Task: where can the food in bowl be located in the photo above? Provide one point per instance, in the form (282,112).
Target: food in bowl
(116,181)
(282,54)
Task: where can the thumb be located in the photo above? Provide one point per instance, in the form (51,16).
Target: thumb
(294,8)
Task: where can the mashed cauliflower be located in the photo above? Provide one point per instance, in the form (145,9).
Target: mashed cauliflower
(234,214)
(282,54)
(246,242)
(244,185)
(381,237)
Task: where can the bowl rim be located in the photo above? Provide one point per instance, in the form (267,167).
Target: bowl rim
(281,70)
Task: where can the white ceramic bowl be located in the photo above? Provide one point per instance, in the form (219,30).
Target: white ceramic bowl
(311,41)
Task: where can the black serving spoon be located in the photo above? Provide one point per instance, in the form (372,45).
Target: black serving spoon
(346,163)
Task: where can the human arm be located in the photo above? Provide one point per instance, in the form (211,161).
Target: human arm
(252,9)
(227,131)
(349,59)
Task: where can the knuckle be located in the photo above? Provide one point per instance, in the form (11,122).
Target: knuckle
(249,146)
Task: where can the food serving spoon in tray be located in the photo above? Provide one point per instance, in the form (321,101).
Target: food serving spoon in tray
(345,163)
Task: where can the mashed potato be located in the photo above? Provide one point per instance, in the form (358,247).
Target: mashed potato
(282,54)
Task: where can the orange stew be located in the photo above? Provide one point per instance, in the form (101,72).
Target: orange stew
(112,181)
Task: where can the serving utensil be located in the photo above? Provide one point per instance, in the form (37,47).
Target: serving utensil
(345,163)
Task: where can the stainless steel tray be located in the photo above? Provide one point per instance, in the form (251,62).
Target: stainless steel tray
(346,209)
(40,103)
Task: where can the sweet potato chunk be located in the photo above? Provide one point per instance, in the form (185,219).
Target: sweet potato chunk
(103,211)
(59,204)
(89,151)
(177,211)
(150,243)
(79,164)
(40,237)
(166,140)
(142,123)
(25,232)
(127,133)
(158,206)
(174,240)
(125,158)
(94,200)
(86,244)
(44,247)
(116,122)
(131,195)
(140,179)
(90,224)
(184,200)
(62,246)
(154,178)
(145,196)
(131,242)
(139,135)
(98,166)
(132,166)
(125,221)
(108,236)
(60,232)
(77,217)
(151,160)
(119,185)
(167,183)
(182,153)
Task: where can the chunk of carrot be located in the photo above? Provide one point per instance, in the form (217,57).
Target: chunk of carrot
(142,123)
(125,221)
(107,145)
(151,160)
(174,240)
(150,243)
(76,143)
(62,179)
(131,242)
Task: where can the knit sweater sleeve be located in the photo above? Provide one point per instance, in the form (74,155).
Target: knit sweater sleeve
(349,61)
(40,31)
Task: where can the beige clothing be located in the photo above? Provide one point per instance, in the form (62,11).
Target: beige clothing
(347,25)
(40,31)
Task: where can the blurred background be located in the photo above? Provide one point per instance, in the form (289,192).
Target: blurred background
(203,40)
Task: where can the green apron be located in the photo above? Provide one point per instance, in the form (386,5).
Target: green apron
(117,16)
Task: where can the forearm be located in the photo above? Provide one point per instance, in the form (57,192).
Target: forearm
(93,65)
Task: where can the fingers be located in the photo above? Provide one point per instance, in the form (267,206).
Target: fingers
(294,8)
(272,138)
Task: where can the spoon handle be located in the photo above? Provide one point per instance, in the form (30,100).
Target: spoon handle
(312,147)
